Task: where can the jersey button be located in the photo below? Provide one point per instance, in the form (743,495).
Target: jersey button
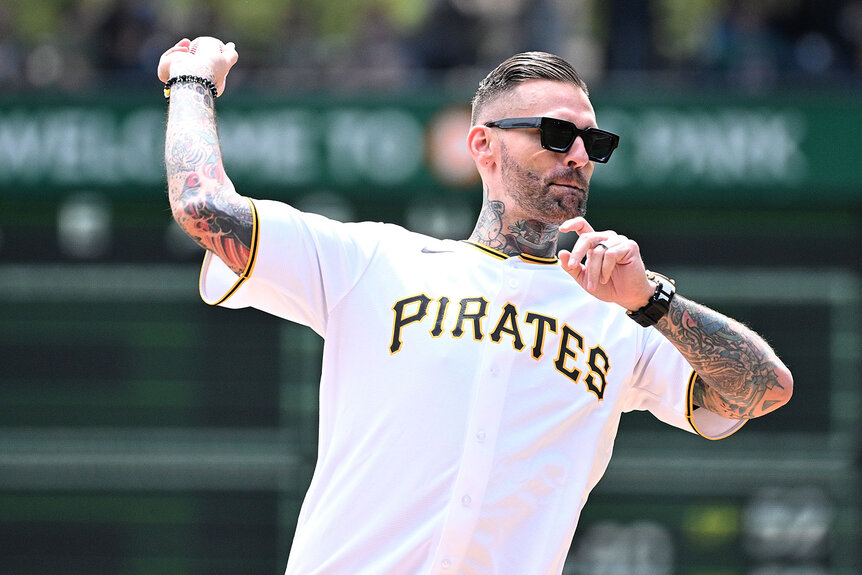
(480,435)
(466,500)
(445,564)
(513,283)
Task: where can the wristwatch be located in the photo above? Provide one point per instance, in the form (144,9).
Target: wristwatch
(658,304)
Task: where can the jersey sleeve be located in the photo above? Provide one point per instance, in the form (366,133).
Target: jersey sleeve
(300,265)
(664,383)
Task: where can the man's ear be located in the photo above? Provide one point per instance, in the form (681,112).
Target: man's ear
(481,147)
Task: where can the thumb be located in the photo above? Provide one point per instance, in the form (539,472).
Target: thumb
(169,56)
(572,267)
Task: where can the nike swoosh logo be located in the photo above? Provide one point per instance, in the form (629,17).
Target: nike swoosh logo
(427,250)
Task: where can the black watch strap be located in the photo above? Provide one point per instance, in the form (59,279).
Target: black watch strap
(659,303)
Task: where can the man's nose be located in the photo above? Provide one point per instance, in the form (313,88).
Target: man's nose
(577,155)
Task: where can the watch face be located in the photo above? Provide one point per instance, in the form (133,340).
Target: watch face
(665,287)
(663,293)
(659,303)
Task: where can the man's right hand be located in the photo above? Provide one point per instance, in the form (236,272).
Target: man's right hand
(204,56)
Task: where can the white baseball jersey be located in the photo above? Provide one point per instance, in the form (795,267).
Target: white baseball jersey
(468,400)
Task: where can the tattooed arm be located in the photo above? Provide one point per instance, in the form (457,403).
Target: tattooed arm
(203,200)
(738,374)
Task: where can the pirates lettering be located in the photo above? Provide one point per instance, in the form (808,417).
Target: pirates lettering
(401,320)
(573,359)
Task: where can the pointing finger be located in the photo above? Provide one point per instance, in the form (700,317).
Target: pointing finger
(578,225)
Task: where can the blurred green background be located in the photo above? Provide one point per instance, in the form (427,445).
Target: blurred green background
(144,432)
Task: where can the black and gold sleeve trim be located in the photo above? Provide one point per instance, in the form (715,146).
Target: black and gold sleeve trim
(691,407)
(252,257)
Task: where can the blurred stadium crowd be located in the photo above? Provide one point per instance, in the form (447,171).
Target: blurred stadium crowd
(76,46)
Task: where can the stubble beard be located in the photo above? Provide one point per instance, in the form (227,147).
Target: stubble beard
(537,199)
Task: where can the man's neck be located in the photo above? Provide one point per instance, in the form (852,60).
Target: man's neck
(513,236)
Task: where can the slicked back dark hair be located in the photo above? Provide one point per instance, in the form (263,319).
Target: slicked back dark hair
(517,70)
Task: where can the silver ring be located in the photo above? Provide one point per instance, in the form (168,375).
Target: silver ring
(601,245)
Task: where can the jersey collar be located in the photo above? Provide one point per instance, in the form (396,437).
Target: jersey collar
(500,255)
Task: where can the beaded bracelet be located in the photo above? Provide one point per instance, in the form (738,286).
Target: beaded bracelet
(205,82)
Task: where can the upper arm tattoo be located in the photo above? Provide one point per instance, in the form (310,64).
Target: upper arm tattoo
(736,369)
(203,200)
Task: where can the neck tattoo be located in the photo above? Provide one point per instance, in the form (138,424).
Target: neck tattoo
(516,237)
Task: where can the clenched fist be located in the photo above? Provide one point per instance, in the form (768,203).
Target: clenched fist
(204,56)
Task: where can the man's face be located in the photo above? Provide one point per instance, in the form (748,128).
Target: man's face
(542,185)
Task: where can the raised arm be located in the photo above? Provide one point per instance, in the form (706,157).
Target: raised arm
(203,200)
(739,375)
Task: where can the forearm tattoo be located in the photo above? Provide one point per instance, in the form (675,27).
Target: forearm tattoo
(736,368)
(203,200)
(520,237)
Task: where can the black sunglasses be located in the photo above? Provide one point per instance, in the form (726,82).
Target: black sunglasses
(559,135)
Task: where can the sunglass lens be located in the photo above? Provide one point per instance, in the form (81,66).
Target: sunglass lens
(599,145)
(557,135)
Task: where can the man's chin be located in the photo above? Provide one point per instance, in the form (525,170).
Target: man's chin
(559,204)
(559,217)
(568,202)
(567,209)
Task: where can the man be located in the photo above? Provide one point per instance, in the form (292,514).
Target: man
(470,390)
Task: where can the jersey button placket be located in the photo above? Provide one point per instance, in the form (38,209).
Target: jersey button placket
(512,283)
(477,459)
